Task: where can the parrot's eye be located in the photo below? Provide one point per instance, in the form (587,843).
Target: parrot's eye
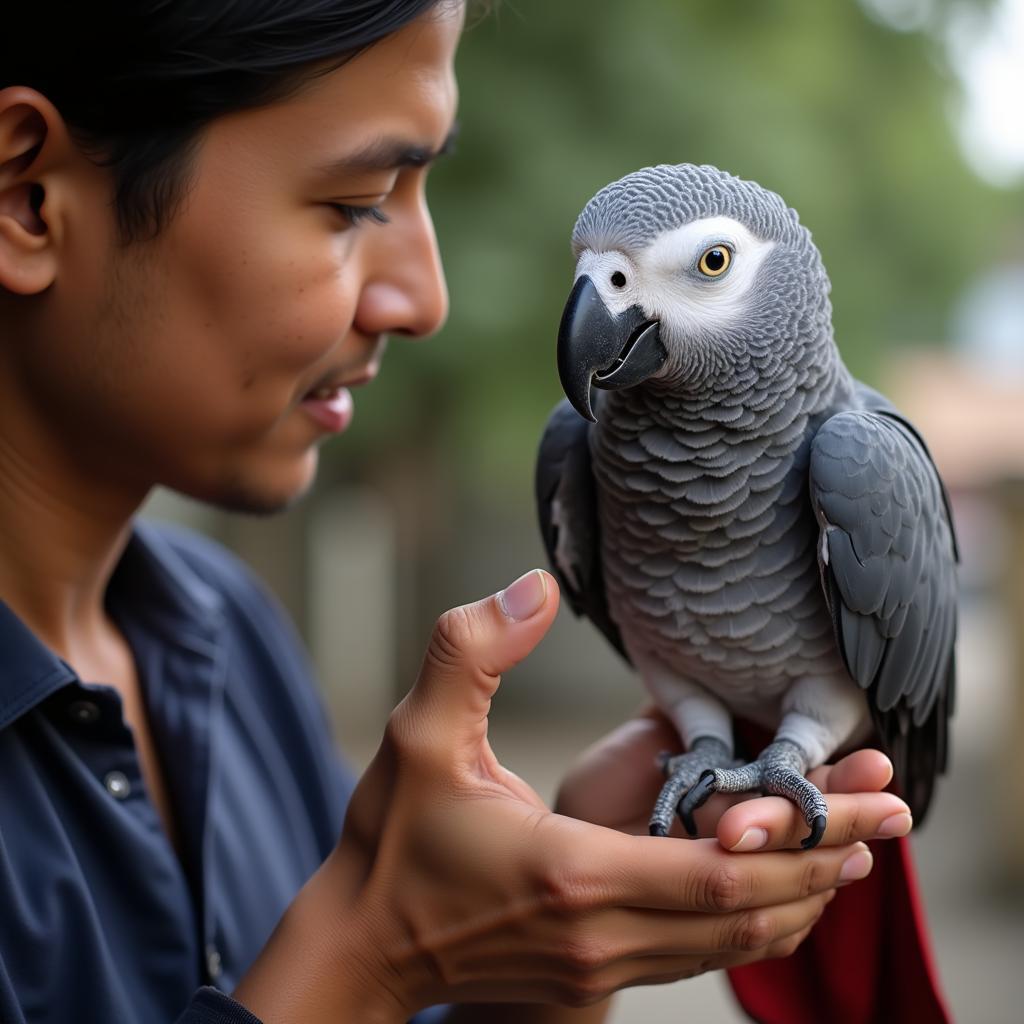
(618,279)
(715,261)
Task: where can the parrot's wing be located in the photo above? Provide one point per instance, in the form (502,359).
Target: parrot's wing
(567,508)
(888,557)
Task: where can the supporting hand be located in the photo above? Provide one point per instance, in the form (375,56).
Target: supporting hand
(615,782)
(453,882)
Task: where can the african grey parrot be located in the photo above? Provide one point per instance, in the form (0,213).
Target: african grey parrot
(756,531)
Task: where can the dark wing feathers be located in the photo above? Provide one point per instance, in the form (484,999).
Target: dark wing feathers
(888,561)
(567,509)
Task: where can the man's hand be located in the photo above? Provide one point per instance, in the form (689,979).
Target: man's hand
(454,883)
(615,782)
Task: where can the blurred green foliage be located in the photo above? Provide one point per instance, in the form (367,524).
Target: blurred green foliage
(846,118)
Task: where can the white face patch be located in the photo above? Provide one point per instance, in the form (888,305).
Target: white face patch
(664,280)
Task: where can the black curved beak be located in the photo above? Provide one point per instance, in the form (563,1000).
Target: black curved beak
(596,348)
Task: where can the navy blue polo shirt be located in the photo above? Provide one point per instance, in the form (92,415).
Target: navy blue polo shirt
(101,920)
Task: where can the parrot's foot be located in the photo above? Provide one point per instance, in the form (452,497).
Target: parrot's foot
(779,771)
(683,771)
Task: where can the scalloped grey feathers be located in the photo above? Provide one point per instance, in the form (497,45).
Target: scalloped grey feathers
(888,563)
(755,516)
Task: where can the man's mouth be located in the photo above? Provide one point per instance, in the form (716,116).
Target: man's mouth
(330,407)
(329,402)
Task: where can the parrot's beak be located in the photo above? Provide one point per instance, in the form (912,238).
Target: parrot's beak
(596,348)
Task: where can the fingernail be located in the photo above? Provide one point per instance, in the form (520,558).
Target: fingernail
(525,597)
(856,866)
(897,825)
(752,839)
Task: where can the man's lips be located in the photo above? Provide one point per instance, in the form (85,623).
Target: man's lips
(329,403)
(330,409)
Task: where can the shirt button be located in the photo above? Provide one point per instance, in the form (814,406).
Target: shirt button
(84,711)
(117,785)
(213,964)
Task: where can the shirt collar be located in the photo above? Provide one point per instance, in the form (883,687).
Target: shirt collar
(29,671)
(150,578)
(152,574)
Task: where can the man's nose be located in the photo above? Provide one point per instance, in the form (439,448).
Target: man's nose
(405,290)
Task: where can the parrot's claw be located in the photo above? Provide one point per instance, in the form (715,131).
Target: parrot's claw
(683,771)
(777,771)
(696,797)
(817,831)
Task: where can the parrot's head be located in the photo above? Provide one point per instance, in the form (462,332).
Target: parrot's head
(687,278)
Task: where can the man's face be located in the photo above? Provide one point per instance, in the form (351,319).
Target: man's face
(192,360)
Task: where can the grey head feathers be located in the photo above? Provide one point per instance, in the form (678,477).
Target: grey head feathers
(632,212)
(768,316)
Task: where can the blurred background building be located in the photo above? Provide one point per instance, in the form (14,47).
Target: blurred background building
(896,128)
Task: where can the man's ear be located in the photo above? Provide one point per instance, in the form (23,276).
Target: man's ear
(34,157)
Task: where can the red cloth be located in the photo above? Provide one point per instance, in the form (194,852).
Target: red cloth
(868,960)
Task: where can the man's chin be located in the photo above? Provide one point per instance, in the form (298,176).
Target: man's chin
(256,503)
(257,497)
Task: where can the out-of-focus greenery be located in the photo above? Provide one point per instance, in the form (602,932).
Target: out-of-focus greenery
(844,117)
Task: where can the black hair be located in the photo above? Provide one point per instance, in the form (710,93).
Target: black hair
(137,81)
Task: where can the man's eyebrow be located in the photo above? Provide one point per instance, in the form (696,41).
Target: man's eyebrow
(389,154)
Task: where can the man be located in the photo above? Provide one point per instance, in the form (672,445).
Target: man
(211,216)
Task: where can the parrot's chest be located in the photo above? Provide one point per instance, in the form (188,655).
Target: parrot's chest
(709,560)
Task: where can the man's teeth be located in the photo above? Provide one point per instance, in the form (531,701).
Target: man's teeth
(322,394)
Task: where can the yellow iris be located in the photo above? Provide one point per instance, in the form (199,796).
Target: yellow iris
(715,261)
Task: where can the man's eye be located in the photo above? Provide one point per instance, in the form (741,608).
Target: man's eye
(357,214)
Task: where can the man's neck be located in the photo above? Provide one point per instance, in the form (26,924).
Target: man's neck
(61,535)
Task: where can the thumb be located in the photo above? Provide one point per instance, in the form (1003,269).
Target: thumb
(469,649)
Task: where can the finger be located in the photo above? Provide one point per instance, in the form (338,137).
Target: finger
(697,874)
(863,771)
(776,951)
(773,823)
(469,649)
(640,933)
(784,947)
(664,968)
(661,970)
